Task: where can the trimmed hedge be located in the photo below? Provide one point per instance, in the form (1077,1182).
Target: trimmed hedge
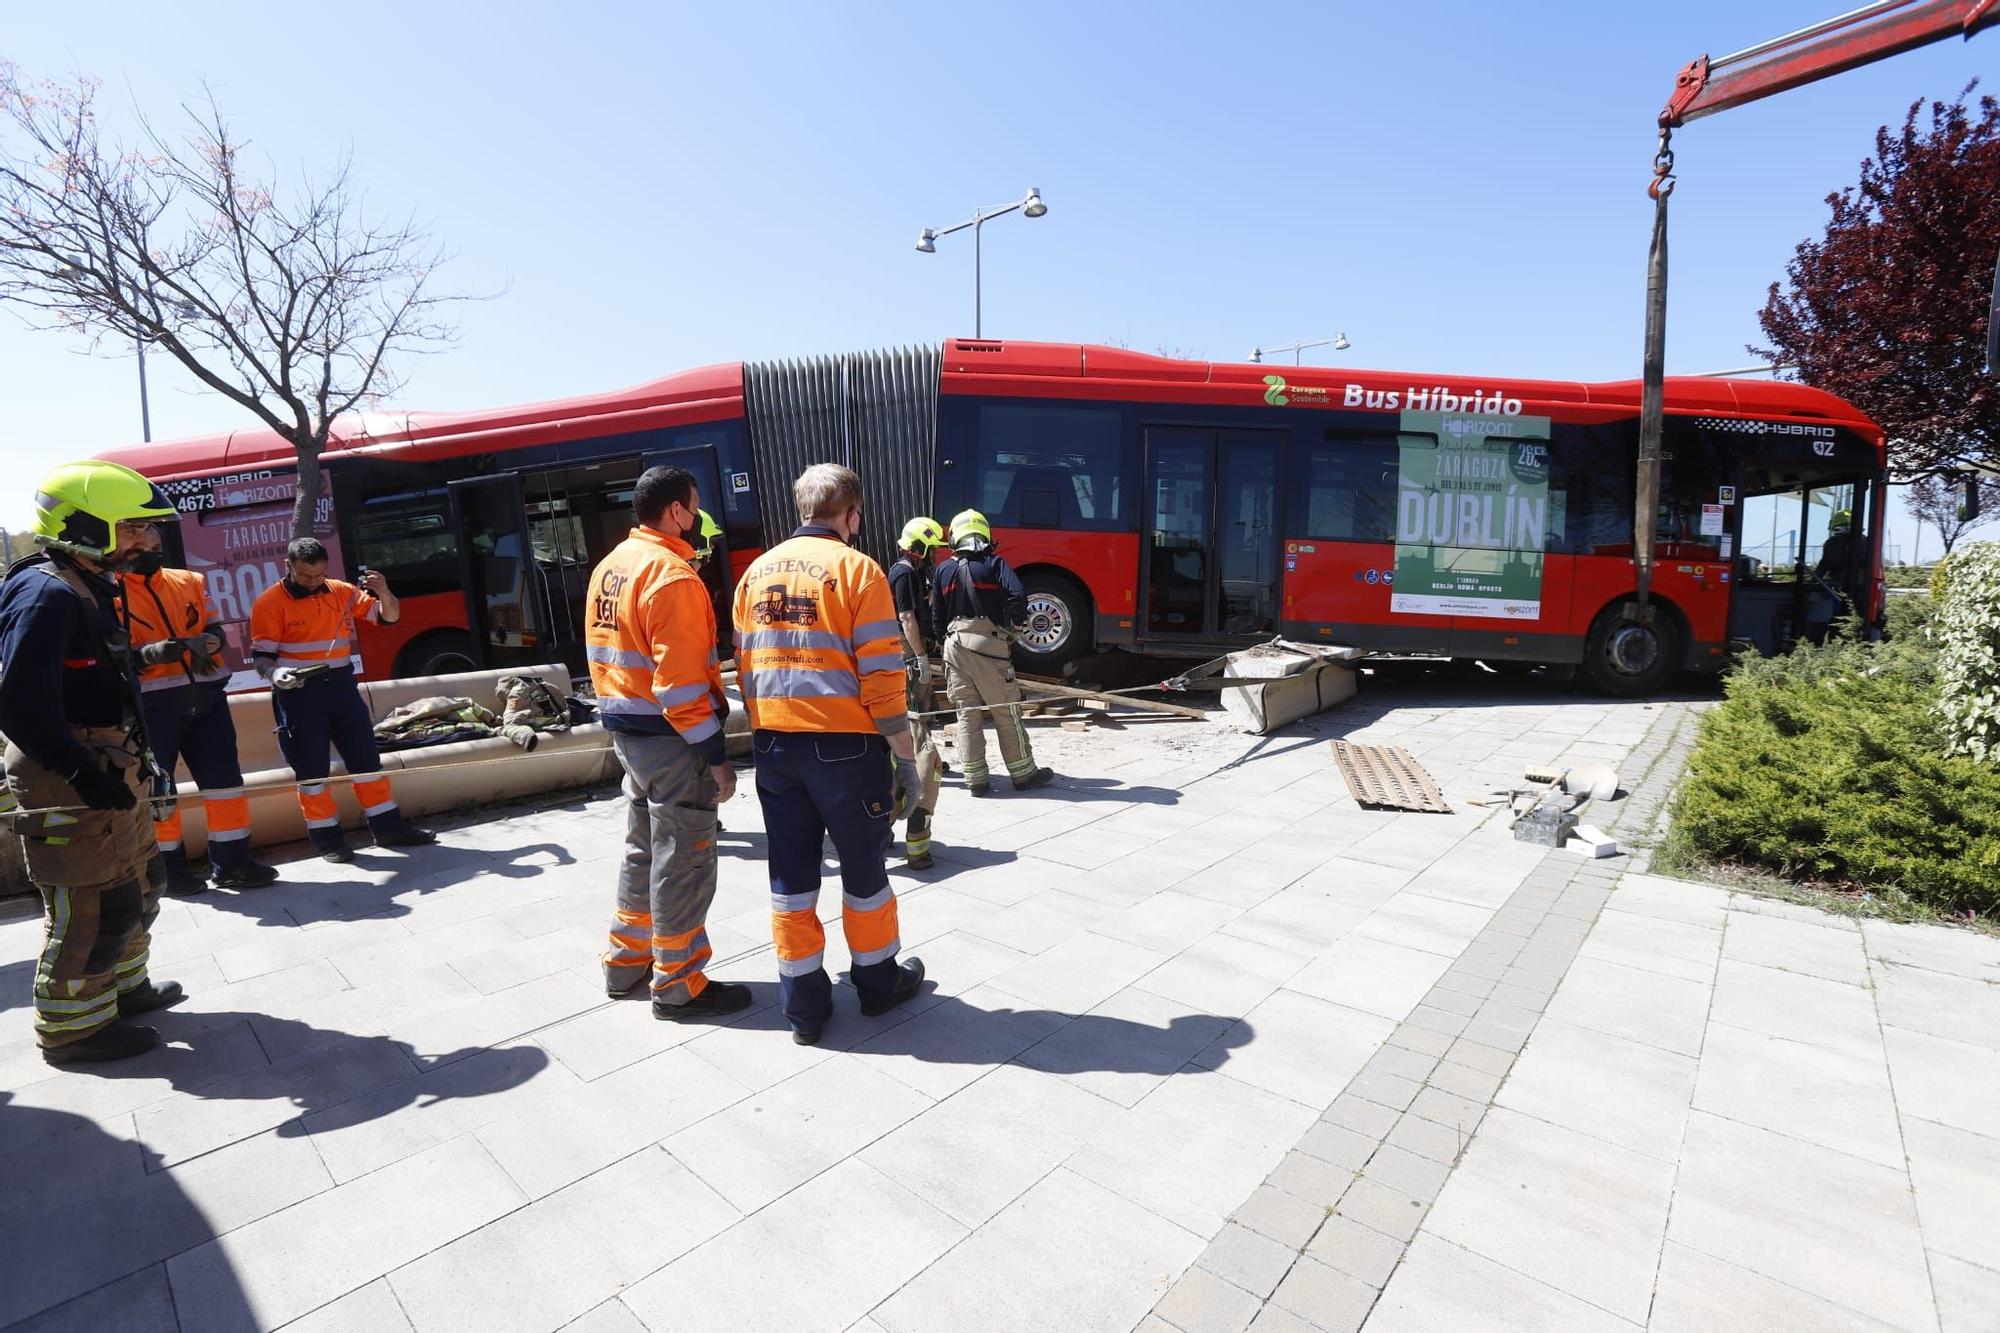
(1968,638)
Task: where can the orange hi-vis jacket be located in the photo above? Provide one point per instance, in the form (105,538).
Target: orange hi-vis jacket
(318,628)
(818,645)
(651,644)
(170,604)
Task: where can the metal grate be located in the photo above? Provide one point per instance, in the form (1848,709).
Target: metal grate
(1384,776)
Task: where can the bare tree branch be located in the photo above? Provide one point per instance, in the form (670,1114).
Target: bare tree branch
(293,305)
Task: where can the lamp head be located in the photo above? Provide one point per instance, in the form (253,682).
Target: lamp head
(1032,206)
(1256,355)
(925,242)
(1340,343)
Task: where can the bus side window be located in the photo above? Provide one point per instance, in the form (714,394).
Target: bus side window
(1049,467)
(1590,487)
(1350,489)
(407,535)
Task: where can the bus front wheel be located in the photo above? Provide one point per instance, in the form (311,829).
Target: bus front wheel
(1630,658)
(443,652)
(1058,630)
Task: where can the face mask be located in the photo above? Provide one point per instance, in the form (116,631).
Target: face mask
(146,563)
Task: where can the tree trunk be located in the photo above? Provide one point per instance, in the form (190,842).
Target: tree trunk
(312,482)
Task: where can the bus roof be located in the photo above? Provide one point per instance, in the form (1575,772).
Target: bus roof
(690,397)
(1082,371)
(1007,366)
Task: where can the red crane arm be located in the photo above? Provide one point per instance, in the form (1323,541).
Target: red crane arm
(1860,37)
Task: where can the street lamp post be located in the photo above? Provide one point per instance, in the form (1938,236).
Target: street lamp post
(145,409)
(1031,206)
(1338,343)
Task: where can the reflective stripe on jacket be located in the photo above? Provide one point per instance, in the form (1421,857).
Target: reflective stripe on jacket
(818,646)
(319,627)
(170,604)
(651,644)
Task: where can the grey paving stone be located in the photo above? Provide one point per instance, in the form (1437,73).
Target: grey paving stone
(1324,1295)
(1448,1109)
(1438,1020)
(1339,1145)
(1414,1038)
(1356,1250)
(1464,983)
(1389,1090)
(1249,1259)
(1272,1319)
(1472,1084)
(1102,1261)
(1382,1207)
(370,1309)
(1485,969)
(1402,1062)
(1282,1216)
(1357,1113)
(354,1234)
(1531,998)
(1427,1138)
(1419,1177)
(1311,1178)
(835,1272)
(140,1303)
(1202,1302)
(1454,1002)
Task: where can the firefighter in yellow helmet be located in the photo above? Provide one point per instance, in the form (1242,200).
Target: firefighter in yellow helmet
(979,601)
(909,589)
(78,764)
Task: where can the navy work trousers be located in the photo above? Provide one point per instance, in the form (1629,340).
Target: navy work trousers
(191,723)
(813,785)
(323,712)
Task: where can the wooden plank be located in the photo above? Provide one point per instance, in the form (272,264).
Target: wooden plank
(1097,698)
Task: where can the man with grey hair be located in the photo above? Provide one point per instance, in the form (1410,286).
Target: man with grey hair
(819,659)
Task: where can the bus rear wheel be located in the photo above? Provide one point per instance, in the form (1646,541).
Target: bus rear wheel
(1058,629)
(1629,658)
(444,652)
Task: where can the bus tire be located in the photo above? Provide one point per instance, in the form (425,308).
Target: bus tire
(439,652)
(1059,628)
(1629,659)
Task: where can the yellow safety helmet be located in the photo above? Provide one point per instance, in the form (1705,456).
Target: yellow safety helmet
(920,534)
(79,506)
(970,526)
(704,542)
(1841,521)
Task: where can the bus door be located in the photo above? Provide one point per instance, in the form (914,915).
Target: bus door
(1211,534)
(1806,558)
(700,460)
(504,607)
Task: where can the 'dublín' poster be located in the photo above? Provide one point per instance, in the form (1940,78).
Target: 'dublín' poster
(1472,511)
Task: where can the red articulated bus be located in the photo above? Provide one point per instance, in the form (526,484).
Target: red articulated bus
(1179,507)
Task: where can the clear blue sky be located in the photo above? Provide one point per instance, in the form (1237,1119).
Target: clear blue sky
(1457,186)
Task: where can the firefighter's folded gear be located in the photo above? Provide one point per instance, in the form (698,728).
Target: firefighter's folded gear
(444,719)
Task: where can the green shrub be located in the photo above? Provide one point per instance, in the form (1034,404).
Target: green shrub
(1907,576)
(1940,578)
(1967,632)
(1843,778)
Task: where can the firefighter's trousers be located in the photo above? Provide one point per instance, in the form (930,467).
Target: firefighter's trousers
(99,895)
(328,713)
(917,838)
(813,785)
(667,879)
(978,672)
(190,724)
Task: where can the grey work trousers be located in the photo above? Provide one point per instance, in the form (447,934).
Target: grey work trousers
(667,879)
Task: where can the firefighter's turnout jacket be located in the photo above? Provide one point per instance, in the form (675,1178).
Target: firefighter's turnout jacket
(651,644)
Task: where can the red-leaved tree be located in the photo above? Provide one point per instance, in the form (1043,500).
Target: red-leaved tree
(1889,308)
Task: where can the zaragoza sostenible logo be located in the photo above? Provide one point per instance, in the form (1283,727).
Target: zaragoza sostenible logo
(1274,392)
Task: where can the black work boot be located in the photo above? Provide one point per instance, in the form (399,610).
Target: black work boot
(394,832)
(145,999)
(1041,777)
(331,844)
(235,868)
(114,1041)
(183,879)
(909,977)
(716,999)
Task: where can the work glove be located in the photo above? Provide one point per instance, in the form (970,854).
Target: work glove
(164,653)
(101,789)
(201,651)
(286,678)
(909,787)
